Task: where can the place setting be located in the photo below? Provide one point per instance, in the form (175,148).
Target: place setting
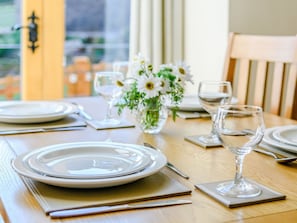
(240,129)
(17,117)
(280,142)
(98,173)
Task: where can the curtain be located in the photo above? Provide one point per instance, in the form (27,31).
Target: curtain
(157,30)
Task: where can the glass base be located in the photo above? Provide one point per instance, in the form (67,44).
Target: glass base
(242,189)
(209,140)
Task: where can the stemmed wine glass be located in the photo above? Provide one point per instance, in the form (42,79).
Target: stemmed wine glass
(106,85)
(240,128)
(211,95)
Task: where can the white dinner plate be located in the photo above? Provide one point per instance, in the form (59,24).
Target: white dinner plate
(191,103)
(87,160)
(286,134)
(158,162)
(35,111)
(269,139)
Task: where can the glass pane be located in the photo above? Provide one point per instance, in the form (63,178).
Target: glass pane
(9,50)
(97,36)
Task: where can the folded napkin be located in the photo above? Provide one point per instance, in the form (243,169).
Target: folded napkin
(67,122)
(192,115)
(195,140)
(99,126)
(53,198)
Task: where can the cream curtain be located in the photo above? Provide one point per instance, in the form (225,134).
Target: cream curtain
(157,30)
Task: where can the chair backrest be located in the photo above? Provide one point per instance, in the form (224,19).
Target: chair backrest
(263,72)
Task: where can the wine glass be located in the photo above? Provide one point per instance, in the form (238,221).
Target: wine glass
(211,95)
(106,85)
(240,128)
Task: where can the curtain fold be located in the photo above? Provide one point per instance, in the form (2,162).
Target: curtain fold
(157,30)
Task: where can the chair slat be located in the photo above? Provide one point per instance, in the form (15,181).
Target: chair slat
(276,89)
(259,88)
(288,97)
(242,81)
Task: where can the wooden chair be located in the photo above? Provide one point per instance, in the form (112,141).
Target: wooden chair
(263,72)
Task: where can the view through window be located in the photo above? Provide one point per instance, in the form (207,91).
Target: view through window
(97,36)
(9,50)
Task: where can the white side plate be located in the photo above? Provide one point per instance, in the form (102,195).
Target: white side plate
(158,162)
(286,134)
(191,103)
(35,111)
(269,139)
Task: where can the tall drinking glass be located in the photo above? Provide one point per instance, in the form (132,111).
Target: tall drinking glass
(106,84)
(211,95)
(240,128)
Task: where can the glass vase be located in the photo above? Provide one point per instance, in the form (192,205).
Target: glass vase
(152,119)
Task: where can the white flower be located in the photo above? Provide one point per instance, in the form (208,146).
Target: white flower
(165,84)
(183,72)
(139,64)
(151,86)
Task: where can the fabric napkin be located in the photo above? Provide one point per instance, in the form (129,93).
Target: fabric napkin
(52,198)
(192,115)
(69,121)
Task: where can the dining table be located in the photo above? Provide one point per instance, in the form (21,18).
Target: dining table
(202,165)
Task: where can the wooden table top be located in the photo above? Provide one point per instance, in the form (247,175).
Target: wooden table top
(202,165)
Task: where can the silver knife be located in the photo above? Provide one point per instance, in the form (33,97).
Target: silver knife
(170,165)
(112,208)
(22,131)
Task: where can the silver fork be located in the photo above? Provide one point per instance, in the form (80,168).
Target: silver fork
(82,112)
(169,165)
(277,157)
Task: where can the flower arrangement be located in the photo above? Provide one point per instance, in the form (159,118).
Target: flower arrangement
(151,90)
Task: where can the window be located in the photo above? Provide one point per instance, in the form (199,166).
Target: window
(97,35)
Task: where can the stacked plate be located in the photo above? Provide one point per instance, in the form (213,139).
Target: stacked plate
(89,164)
(191,103)
(282,137)
(35,111)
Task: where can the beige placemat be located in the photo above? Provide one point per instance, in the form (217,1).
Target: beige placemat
(267,195)
(99,126)
(53,198)
(69,121)
(194,139)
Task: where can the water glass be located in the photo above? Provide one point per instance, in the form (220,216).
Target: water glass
(211,95)
(240,128)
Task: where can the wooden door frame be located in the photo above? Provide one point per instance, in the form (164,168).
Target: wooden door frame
(42,71)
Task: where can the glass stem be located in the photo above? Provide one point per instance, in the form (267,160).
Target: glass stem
(238,174)
(213,118)
(109,110)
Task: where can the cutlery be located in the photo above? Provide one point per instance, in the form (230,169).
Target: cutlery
(168,164)
(82,112)
(22,131)
(112,208)
(278,157)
